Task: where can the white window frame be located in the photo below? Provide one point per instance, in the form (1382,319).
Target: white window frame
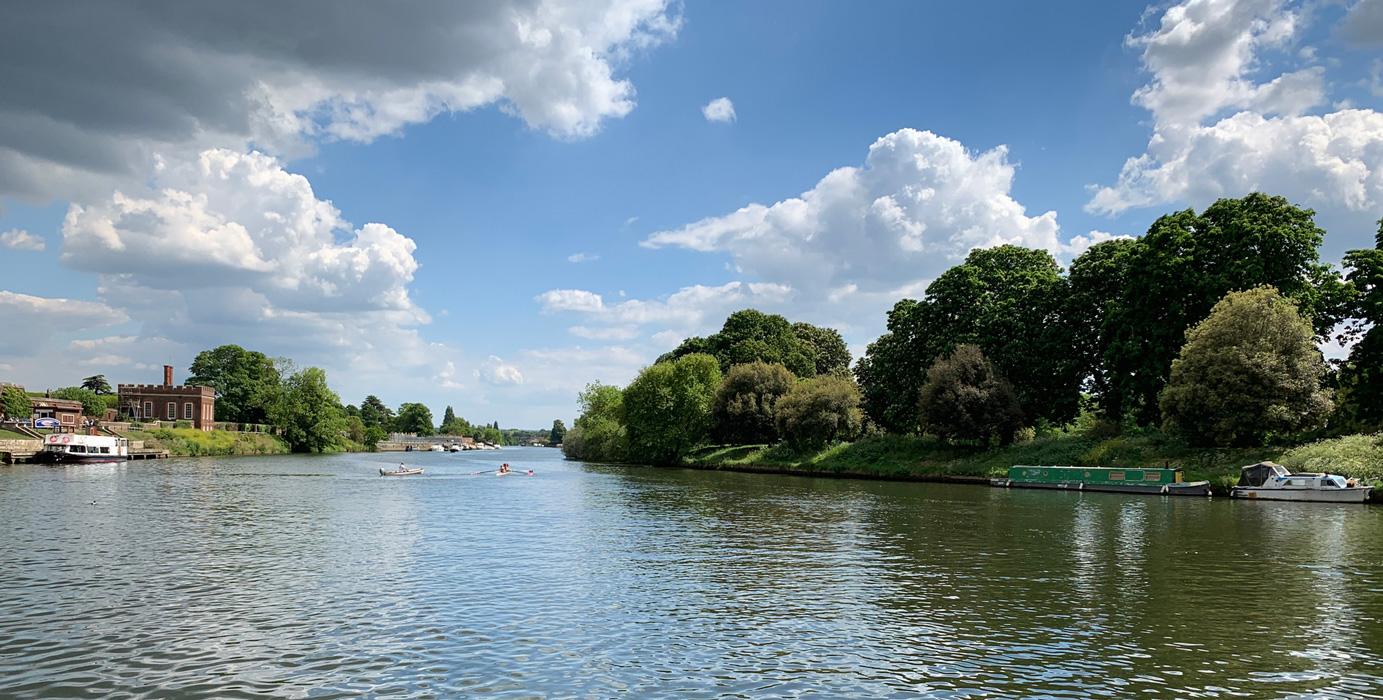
(187,410)
(67,418)
(148,410)
(172,410)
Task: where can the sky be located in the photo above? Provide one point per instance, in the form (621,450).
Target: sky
(488,205)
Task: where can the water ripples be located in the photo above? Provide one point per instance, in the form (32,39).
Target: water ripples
(311,577)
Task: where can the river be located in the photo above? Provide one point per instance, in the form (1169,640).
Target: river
(300,576)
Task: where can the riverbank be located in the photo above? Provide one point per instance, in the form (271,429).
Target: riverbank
(910,458)
(190,442)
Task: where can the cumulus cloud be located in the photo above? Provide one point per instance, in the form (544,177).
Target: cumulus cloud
(1222,130)
(32,320)
(17,239)
(918,205)
(120,84)
(496,372)
(690,309)
(582,257)
(720,109)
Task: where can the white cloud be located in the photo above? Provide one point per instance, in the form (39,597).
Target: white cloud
(497,373)
(918,205)
(1364,23)
(121,85)
(582,257)
(1080,244)
(1203,59)
(610,333)
(31,321)
(720,109)
(106,361)
(17,239)
(555,300)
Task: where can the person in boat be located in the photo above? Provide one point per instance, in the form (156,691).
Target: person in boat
(401,468)
(504,468)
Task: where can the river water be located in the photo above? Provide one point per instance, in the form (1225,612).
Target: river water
(315,577)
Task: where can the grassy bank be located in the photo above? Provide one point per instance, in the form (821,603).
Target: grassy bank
(908,457)
(190,442)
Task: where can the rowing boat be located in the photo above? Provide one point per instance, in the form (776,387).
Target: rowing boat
(503,473)
(399,472)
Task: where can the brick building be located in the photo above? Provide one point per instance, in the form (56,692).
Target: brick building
(67,413)
(166,402)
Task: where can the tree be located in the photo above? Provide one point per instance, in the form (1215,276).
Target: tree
(1187,263)
(92,403)
(966,398)
(1094,291)
(832,357)
(448,417)
(818,411)
(752,336)
(247,383)
(667,408)
(414,418)
(1006,300)
(1362,375)
(307,413)
(96,383)
(559,430)
(743,410)
(598,434)
(14,403)
(1249,370)
(374,413)
(373,435)
(355,429)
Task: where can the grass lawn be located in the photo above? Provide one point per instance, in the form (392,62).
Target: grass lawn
(193,442)
(11,435)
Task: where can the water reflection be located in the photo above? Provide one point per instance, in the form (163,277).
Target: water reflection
(292,577)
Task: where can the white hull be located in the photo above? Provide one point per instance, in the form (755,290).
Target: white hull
(1346,495)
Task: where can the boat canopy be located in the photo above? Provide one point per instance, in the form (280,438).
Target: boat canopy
(1258,474)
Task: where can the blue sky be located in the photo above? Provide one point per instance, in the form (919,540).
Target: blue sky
(489,206)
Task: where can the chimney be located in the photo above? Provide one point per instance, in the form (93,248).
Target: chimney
(168,375)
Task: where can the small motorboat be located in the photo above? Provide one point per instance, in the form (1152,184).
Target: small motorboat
(1267,481)
(436,448)
(399,472)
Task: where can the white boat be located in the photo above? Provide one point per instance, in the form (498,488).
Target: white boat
(1267,481)
(436,448)
(69,448)
(399,472)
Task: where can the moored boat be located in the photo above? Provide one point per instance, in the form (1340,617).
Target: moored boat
(70,448)
(399,472)
(1267,481)
(1168,482)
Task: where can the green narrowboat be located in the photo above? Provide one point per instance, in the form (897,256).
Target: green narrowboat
(1167,482)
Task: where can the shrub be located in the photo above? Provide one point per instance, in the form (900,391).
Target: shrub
(819,411)
(743,410)
(1359,456)
(965,397)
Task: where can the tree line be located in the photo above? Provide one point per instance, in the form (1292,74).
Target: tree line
(1207,326)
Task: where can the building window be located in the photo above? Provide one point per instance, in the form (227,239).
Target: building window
(172,410)
(187,411)
(67,418)
(148,410)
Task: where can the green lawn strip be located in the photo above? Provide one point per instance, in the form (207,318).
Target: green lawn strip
(11,435)
(192,442)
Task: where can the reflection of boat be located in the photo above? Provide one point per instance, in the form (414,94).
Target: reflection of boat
(69,448)
(1165,482)
(1267,481)
(399,472)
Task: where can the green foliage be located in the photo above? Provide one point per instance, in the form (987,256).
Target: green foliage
(449,416)
(374,414)
(1248,371)
(667,408)
(1094,289)
(753,336)
(1362,375)
(1359,456)
(248,384)
(832,357)
(373,435)
(92,404)
(1186,263)
(14,403)
(192,442)
(819,411)
(307,412)
(414,418)
(96,383)
(559,430)
(1006,300)
(598,435)
(966,398)
(743,410)
(355,429)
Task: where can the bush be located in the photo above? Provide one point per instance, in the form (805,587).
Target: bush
(1359,456)
(182,424)
(743,410)
(819,411)
(667,408)
(965,397)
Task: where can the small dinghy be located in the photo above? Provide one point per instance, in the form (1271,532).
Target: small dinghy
(399,472)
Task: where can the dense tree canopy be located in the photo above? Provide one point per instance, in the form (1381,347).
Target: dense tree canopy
(1249,370)
(820,411)
(307,413)
(247,383)
(1362,376)
(598,434)
(966,398)
(1094,290)
(743,410)
(414,418)
(93,404)
(14,403)
(559,430)
(753,336)
(832,357)
(667,408)
(96,383)
(374,414)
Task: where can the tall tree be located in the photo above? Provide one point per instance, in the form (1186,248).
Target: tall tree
(818,411)
(374,414)
(14,403)
(1362,375)
(1095,286)
(894,366)
(752,336)
(667,408)
(743,411)
(448,417)
(1186,264)
(414,418)
(832,357)
(559,430)
(307,413)
(96,383)
(1249,370)
(966,398)
(598,434)
(93,404)
(247,383)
